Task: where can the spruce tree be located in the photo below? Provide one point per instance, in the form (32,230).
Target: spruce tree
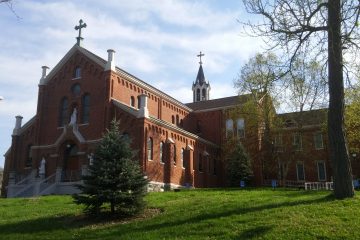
(238,167)
(113,178)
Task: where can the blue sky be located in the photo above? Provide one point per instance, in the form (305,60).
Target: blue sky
(155,40)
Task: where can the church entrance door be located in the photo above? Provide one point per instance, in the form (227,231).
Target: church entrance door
(71,166)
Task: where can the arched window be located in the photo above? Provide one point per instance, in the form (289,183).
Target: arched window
(200,162)
(240,125)
(139,102)
(177,120)
(77,72)
(198,126)
(172,119)
(150,149)
(63,112)
(161,152)
(174,155)
(197,95)
(214,166)
(28,161)
(204,94)
(85,108)
(132,101)
(229,128)
(126,136)
(182,158)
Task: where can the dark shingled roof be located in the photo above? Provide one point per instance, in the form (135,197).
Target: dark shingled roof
(200,78)
(312,117)
(218,103)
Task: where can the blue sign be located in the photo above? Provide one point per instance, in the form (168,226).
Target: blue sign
(273,183)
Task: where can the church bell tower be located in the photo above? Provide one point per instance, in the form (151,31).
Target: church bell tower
(201,88)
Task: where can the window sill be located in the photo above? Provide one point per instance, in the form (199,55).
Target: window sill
(76,78)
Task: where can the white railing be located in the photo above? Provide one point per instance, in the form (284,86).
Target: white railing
(22,189)
(318,185)
(46,184)
(25,180)
(71,175)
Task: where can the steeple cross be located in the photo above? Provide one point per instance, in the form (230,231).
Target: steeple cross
(81,25)
(200,55)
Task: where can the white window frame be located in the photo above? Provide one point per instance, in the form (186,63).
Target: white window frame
(322,141)
(300,148)
(297,172)
(77,73)
(278,142)
(182,158)
(150,151)
(229,126)
(240,125)
(161,152)
(318,170)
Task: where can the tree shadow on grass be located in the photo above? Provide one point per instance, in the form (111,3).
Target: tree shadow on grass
(179,223)
(69,222)
(254,232)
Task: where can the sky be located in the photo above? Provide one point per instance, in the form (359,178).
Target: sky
(156,40)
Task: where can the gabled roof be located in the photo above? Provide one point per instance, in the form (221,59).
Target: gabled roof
(68,55)
(120,71)
(306,118)
(218,103)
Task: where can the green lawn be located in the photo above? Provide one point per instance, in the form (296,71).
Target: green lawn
(194,214)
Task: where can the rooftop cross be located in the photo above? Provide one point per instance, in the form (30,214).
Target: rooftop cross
(81,25)
(200,55)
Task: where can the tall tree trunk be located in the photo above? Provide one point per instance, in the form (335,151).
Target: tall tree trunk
(339,156)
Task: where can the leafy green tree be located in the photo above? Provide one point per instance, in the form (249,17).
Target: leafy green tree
(260,78)
(238,166)
(114,177)
(352,120)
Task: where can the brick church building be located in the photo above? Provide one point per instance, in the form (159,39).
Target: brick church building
(178,144)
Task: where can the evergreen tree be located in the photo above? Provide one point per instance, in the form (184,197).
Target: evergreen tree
(238,167)
(114,177)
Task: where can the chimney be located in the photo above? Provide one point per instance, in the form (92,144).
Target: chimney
(110,65)
(43,76)
(17,125)
(143,111)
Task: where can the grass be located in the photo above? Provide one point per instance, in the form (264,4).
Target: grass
(193,214)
